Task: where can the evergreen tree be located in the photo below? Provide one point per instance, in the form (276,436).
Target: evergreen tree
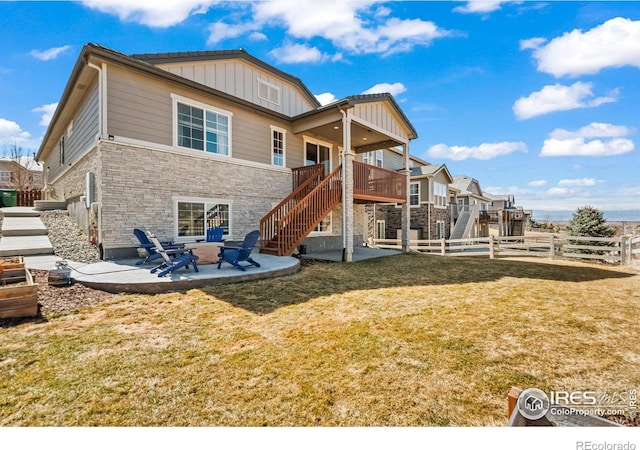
(589,221)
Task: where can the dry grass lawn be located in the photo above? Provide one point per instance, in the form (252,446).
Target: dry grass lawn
(408,340)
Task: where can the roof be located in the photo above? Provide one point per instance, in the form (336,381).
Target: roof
(212,55)
(464,183)
(430,170)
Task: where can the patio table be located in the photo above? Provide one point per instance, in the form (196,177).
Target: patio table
(207,252)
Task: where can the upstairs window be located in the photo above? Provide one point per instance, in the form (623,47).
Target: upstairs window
(440,194)
(202,127)
(278,146)
(5,176)
(374,158)
(414,194)
(268,92)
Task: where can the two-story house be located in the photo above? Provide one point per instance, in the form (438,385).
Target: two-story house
(14,175)
(177,142)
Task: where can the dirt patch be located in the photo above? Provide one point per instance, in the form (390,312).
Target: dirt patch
(58,300)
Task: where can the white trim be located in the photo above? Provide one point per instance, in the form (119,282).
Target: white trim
(384,227)
(204,200)
(380,130)
(308,139)
(284,145)
(419,194)
(205,107)
(194,153)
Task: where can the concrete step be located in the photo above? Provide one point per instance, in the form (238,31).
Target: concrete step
(23,226)
(19,211)
(48,205)
(25,245)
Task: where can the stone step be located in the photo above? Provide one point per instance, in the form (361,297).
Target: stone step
(47,205)
(25,245)
(19,211)
(23,226)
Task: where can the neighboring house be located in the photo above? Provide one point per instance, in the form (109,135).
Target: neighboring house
(177,142)
(509,219)
(429,192)
(469,209)
(15,176)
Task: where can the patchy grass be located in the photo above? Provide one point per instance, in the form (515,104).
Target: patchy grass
(407,340)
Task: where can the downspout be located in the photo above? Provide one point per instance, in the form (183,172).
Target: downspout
(102,115)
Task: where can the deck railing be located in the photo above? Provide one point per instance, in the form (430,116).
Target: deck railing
(302,174)
(291,228)
(269,223)
(377,184)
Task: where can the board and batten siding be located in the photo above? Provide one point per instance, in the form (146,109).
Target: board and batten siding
(141,108)
(380,114)
(240,78)
(85,129)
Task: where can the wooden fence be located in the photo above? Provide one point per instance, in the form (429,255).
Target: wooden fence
(622,250)
(26,198)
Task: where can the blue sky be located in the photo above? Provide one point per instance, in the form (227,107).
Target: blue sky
(538,99)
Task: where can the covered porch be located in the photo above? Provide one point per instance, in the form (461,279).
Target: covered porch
(361,124)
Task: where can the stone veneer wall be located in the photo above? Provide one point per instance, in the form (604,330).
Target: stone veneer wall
(71,185)
(392,215)
(139,186)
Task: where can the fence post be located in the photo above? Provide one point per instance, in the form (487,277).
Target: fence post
(491,251)
(443,250)
(622,250)
(552,247)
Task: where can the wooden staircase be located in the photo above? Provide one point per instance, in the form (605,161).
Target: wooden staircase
(286,226)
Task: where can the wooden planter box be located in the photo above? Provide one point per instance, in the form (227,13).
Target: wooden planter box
(18,292)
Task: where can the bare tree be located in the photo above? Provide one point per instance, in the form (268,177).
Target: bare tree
(23,177)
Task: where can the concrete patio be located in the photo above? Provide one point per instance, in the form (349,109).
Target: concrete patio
(125,276)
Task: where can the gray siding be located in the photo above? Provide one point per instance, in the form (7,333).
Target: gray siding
(392,160)
(240,79)
(85,129)
(141,108)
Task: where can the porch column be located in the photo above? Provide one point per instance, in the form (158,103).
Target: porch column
(406,212)
(347,187)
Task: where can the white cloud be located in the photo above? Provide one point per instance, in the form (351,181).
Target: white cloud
(11,133)
(326,98)
(594,129)
(381,88)
(151,12)
(580,147)
(558,97)
(52,53)
(219,31)
(350,26)
(578,182)
(615,43)
(537,183)
(298,53)
(558,191)
(585,142)
(482,151)
(532,43)
(480,6)
(47,113)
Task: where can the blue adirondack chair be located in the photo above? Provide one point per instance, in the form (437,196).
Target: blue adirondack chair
(215,234)
(242,253)
(174,259)
(145,243)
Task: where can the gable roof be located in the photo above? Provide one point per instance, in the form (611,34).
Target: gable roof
(430,170)
(212,55)
(464,183)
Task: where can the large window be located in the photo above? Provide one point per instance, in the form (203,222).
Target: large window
(374,158)
(414,194)
(278,145)
(440,193)
(318,153)
(194,217)
(202,127)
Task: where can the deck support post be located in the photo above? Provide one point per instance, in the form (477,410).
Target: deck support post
(406,212)
(347,187)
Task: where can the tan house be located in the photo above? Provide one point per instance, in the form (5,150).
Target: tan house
(429,192)
(177,142)
(506,216)
(14,175)
(469,209)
